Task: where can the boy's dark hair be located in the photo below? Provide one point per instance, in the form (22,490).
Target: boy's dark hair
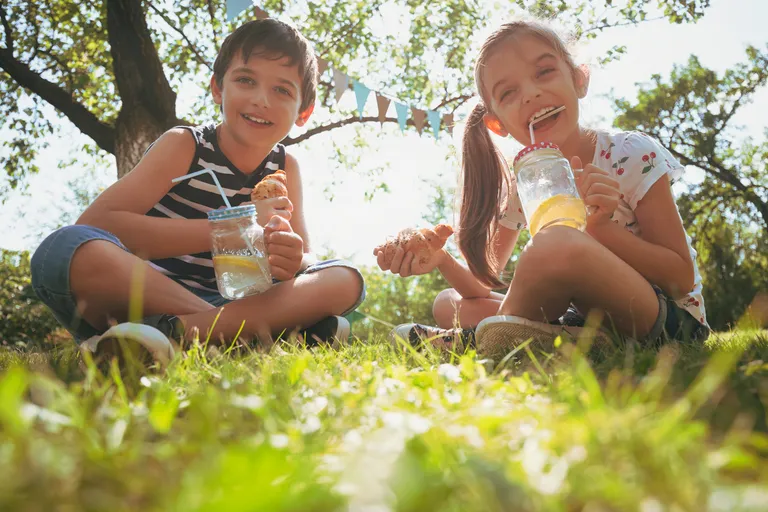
(271,39)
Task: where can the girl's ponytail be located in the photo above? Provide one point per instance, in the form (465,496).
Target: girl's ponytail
(483,177)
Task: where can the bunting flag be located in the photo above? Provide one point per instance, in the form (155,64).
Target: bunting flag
(361,94)
(322,65)
(433,117)
(419,116)
(383,103)
(402,115)
(448,122)
(235,7)
(340,83)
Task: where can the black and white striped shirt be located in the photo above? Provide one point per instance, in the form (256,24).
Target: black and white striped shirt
(195,197)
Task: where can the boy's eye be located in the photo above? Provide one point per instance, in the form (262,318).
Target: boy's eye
(283,90)
(245,80)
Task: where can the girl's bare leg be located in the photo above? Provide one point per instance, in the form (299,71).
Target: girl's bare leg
(450,309)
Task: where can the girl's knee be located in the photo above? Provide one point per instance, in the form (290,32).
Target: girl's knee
(444,308)
(554,253)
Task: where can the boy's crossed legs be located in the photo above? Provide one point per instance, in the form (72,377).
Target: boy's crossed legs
(85,276)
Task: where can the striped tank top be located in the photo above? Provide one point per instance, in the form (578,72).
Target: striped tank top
(195,197)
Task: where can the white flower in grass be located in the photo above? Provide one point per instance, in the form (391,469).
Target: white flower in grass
(312,424)
(452,397)
(651,504)
(389,385)
(279,441)
(316,406)
(352,440)
(449,372)
(470,434)
(252,402)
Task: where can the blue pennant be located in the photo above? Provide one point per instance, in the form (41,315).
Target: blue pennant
(361,93)
(434,121)
(235,7)
(402,115)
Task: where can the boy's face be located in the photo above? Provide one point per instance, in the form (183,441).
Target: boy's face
(260,99)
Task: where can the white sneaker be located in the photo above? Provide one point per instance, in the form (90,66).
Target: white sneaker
(499,335)
(147,337)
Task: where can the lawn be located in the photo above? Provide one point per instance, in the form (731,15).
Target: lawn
(374,428)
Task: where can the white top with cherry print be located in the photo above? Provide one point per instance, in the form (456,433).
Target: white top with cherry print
(636,161)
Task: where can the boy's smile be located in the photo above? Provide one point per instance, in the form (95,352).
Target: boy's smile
(260,101)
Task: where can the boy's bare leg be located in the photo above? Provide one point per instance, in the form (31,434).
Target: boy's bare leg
(450,306)
(101,276)
(299,302)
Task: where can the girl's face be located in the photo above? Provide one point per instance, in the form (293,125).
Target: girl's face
(524,78)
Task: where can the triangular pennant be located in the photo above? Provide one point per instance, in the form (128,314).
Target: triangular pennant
(322,65)
(448,122)
(402,115)
(261,14)
(434,121)
(340,83)
(235,7)
(419,116)
(361,94)
(383,103)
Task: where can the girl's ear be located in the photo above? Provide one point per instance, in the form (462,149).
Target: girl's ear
(304,116)
(581,80)
(215,91)
(492,123)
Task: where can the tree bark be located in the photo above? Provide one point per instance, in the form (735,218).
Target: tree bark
(148,102)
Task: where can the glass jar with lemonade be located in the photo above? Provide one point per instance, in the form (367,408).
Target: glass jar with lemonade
(547,189)
(239,252)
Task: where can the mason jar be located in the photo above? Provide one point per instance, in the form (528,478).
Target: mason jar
(547,189)
(239,252)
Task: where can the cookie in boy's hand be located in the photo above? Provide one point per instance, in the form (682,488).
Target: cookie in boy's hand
(273,185)
(423,243)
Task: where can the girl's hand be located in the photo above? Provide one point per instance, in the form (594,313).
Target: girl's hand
(285,248)
(599,191)
(405,264)
(268,208)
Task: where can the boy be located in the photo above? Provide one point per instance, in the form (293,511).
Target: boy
(264,81)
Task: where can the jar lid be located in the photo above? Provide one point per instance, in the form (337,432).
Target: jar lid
(236,212)
(533,147)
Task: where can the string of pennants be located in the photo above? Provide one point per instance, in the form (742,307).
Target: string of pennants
(342,82)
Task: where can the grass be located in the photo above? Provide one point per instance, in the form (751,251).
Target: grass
(374,428)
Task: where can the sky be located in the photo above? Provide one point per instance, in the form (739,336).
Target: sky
(338,215)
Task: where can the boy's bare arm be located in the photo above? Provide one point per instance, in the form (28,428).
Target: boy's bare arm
(296,196)
(122,207)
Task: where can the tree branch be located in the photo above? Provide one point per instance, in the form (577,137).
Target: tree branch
(101,133)
(7,28)
(288,141)
(212,14)
(169,22)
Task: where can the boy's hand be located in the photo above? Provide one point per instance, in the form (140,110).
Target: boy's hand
(268,208)
(285,248)
(599,191)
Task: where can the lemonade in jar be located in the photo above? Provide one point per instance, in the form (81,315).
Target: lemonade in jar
(239,253)
(547,189)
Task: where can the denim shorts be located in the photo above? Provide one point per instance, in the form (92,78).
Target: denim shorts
(50,267)
(672,323)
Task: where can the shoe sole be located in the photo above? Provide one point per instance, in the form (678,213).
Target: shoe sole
(496,336)
(343,331)
(152,345)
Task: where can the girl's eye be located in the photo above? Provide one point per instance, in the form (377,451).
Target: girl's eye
(545,71)
(507,94)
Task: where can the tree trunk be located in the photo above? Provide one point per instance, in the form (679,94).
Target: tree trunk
(148,103)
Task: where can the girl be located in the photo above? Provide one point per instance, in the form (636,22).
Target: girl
(634,262)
